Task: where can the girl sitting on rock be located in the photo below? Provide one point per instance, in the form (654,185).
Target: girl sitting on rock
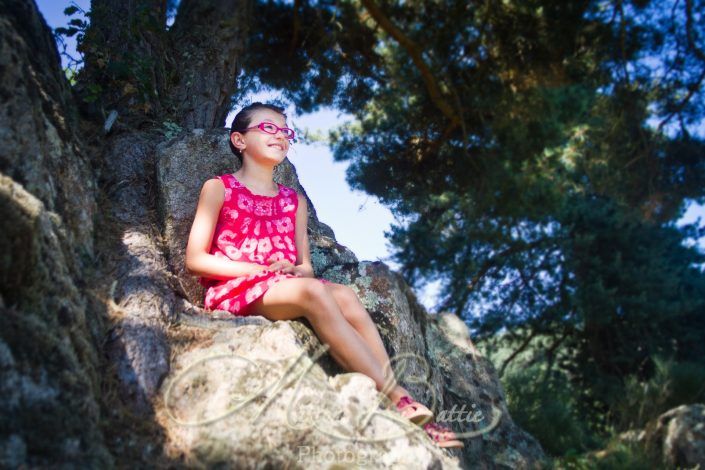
(249,244)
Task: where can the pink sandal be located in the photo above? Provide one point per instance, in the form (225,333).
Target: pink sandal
(414,411)
(442,436)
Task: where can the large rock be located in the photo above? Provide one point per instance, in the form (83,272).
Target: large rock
(400,321)
(677,437)
(39,135)
(49,338)
(251,396)
(142,296)
(470,383)
(441,366)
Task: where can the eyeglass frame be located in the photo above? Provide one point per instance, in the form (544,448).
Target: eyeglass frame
(261,125)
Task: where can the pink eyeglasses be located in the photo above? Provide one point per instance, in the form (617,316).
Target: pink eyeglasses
(271,128)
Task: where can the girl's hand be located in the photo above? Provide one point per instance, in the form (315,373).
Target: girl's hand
(284,266)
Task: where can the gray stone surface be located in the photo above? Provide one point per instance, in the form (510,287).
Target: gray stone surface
(49,341)
(141,299)
(252,396)
(677,437)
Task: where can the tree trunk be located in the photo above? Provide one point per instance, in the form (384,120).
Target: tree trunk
(208,40)
(126,64)
(185,75)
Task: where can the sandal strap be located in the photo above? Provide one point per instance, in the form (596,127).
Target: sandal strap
(436,429)
(404,401)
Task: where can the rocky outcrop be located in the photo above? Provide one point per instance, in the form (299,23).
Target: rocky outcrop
(442,367)
(677,437)
(93,289)
(212,383)
(49,338)
(134,269)
(254,395)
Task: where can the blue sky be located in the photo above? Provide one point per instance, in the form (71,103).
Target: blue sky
(358,219)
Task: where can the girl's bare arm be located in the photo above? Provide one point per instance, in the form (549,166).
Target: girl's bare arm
(199,261)
(303,254)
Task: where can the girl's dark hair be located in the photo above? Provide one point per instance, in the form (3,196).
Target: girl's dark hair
(243,120)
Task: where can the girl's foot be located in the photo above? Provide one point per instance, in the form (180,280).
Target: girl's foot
(442,436)
(413,410)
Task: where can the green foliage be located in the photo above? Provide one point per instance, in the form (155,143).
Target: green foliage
(672,384)
(548,403)
(170,129)
(70,75)
(617,456)
(302,49)
(76,27)
(93,91)
(635,296)
(546,409)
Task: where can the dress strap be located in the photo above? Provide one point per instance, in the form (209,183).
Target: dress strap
(220,177)
(226,179)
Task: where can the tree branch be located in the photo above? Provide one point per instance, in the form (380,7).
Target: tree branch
(518,351)
(692,89)
(494,261)
(689,30)
(622,39)
(551,357)
(416,56)
(296,28)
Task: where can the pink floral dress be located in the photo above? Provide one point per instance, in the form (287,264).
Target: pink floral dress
(254,229)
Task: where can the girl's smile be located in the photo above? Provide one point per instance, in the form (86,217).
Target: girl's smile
(280,146)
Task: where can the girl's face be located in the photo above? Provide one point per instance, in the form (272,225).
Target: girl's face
(261,146)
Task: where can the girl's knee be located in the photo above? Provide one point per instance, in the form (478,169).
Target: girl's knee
(349,295)
(313,290)
(317,299)
(345,296)
(358,315)
(350,304)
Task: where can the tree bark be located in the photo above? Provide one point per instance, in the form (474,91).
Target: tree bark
(208,39)
(126,58)
(186,74)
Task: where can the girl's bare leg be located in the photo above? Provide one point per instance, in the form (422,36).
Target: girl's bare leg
(293,298)
(360,320)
